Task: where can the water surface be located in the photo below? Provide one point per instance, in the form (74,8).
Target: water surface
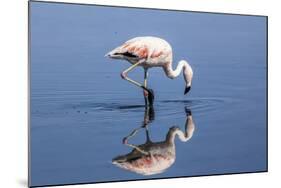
(81,109)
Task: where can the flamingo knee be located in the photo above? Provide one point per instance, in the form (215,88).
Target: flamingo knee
(123,75)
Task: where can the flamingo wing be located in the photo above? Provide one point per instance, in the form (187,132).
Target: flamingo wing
(132,49)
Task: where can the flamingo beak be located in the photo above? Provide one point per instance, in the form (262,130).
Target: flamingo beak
(110,54)
(187,89)
(113,55)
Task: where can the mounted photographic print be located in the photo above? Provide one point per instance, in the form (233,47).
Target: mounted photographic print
(121,94)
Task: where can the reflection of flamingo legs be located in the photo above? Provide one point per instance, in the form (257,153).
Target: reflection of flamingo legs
(183,136)
(148,117)
(137,148)
(133,133)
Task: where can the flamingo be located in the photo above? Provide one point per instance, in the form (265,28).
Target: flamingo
(149,52)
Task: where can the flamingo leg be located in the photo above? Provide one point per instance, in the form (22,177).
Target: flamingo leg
(145,93)
(125,72)
(125,77)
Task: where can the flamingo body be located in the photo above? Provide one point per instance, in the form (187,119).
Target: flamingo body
(156,51)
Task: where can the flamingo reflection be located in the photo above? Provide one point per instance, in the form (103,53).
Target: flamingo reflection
(154,157)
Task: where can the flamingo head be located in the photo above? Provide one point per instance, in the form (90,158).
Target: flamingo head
(114,55)
(119,53)
(188,75)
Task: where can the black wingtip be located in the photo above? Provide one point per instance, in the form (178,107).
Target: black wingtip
(187,89)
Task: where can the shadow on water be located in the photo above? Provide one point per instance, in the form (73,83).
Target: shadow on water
(154,157)
(105,106)
(105,110)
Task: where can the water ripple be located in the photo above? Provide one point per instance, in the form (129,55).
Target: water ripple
(168,106)
(123,110)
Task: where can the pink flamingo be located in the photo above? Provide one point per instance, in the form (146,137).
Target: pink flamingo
(150,52)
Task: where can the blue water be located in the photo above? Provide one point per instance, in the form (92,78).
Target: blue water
(81,108)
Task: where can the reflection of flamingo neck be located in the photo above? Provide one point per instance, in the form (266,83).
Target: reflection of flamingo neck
(183,136)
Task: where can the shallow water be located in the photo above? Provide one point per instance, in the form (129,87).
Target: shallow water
(81,109)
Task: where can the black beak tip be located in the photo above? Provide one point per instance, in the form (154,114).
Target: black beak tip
(108,55)
(187,89)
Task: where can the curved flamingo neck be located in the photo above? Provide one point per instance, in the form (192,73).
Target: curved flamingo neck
(182,65)
(174,73)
